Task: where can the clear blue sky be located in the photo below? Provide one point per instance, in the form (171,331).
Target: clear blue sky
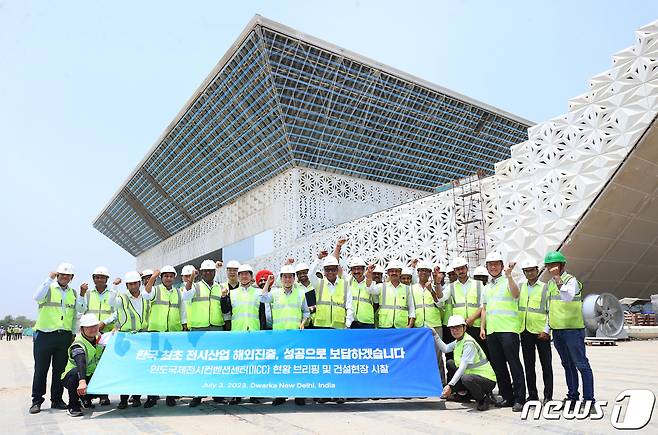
(87,87)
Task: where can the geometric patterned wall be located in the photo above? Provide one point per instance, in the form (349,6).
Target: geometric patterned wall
(424,228)
(536,197)
(552,178)
(294,204)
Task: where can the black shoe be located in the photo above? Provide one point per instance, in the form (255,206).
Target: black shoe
(517,407)
(254,400)
(149,403)
(532,398)
(278,401)
(195,402)
(35,408)
(75,412)
(484,404)
(170,401)
(235,401)
(136,403)
(505,404)
(104,401)
(58,404)
(300,402)
(87,404)
(459,398)
(123,404)
(340,400)
(219,399)
(323,400)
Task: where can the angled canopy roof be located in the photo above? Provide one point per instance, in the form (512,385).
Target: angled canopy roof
(278,99)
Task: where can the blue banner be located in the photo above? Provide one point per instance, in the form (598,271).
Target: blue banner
(310,363)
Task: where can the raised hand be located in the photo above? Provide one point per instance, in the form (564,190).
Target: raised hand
(289,261)
(341,241)
(555,271)
(438,275)
(52,275)
(322,254)
(116,281)
(219,264)
(413,263)
(83,288)
(510,268)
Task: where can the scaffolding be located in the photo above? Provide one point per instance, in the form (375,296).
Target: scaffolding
(468,219)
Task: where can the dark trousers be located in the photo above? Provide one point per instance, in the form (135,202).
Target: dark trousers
(473,331)
(504,353)
(358,325)
(70,382)
(49,348)
(570,344)
(478,386)
(529,342)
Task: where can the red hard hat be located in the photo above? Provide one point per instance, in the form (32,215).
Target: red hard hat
(263,274)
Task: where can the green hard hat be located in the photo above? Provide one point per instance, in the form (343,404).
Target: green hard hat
(555,257)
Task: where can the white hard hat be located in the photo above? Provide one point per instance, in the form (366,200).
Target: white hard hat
(65,268)
(168,269)
(407,271)
(481,271)
(458,262)
(131,276)
(207,265)
(188,269)
(301,266)
(287,269)
(101,270)
(456,320)
(89,319)
(330,260)
(378,269)
(448,269)
(233,264)
(529,262)
(425,265)
(245,268)
(357,262)
(494,256)
(394,264)
(147,272)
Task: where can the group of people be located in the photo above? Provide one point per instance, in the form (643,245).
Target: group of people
(480,324)
(12,332)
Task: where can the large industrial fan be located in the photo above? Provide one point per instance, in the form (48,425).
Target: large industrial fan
(604,318)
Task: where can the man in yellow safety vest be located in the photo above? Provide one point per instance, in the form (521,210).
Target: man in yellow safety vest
(473,374)
(59,306)
(533,309)
(501,326)
(565,318)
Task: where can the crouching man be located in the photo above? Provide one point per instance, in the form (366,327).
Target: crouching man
(83,355)
(473,374)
